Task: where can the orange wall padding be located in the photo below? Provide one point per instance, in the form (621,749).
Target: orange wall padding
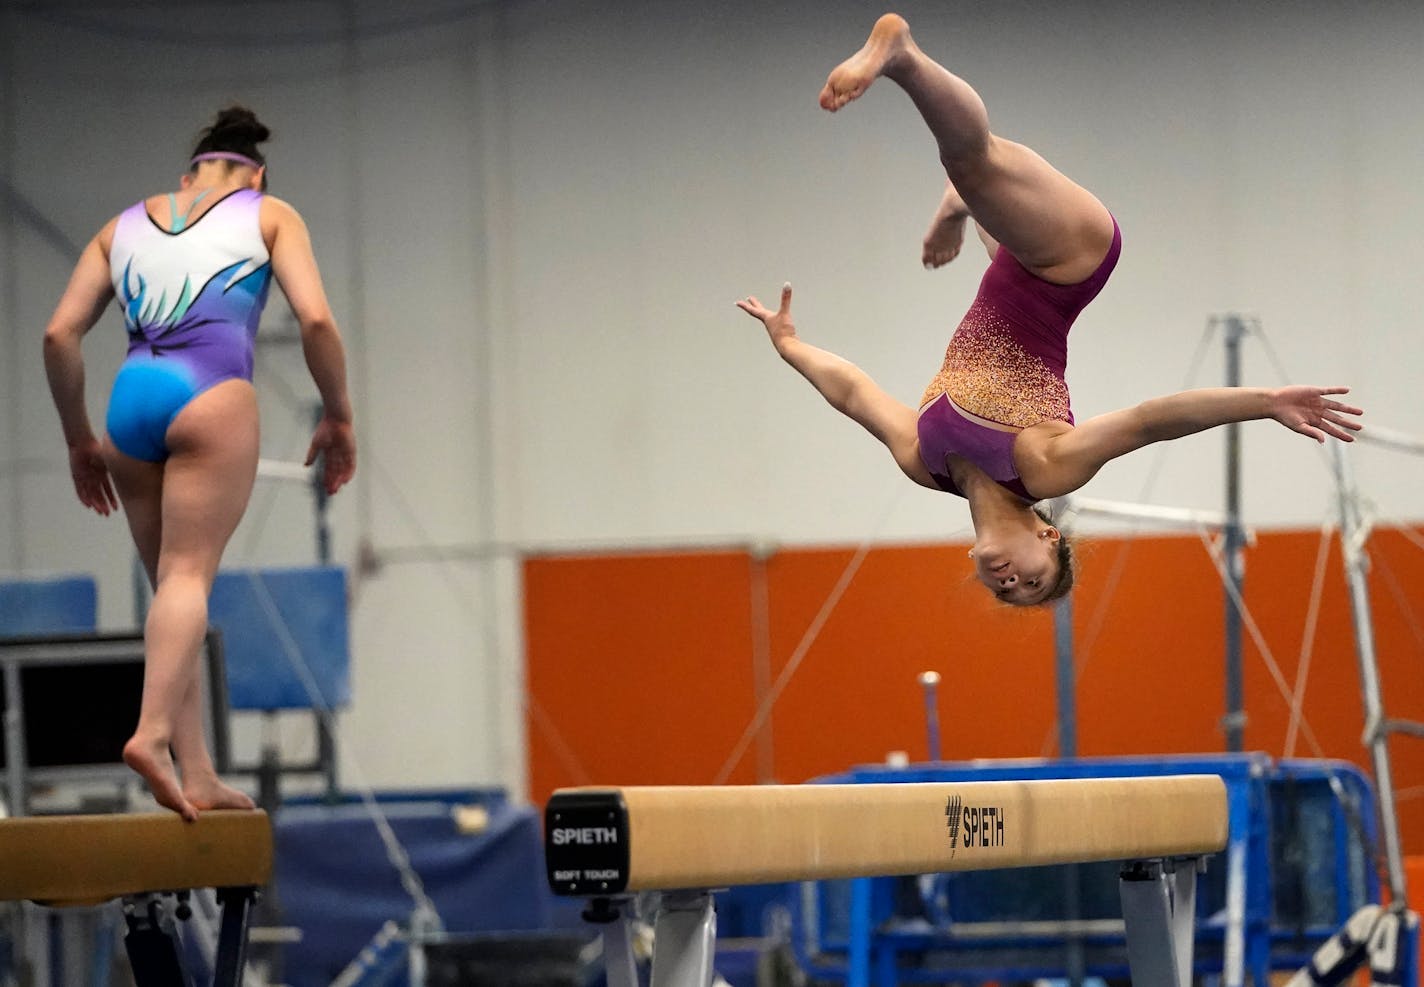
(641,668)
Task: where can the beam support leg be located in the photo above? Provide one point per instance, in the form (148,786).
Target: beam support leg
(236,906)
(684,939)
(619,964)
(155,954)
(1158,905)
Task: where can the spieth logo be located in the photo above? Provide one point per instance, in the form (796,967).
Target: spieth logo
(584,835)
(979,825)
(953,811)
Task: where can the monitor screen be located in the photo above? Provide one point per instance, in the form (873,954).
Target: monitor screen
(77,715)
(79,697)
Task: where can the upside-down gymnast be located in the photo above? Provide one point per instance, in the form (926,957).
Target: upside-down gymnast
(994,426)
(190,270)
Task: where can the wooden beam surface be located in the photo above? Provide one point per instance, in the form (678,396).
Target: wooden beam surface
(646,838)
(73,860)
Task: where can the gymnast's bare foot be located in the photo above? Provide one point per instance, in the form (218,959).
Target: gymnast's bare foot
(946,234)
(153,762)
(207,791)
(889,40)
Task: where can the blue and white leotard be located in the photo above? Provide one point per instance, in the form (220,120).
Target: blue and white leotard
(191,300)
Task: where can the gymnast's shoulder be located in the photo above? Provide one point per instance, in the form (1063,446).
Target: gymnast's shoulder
(278,209)
(276,216)
(1050,462)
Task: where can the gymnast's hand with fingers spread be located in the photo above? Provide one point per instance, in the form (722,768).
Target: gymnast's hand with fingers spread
(778,324)
(845,387)
(335,441)
(1306,409)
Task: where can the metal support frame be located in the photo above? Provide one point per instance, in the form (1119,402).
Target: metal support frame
(1234,543)
(1075,960)
(155,951)
(236,906)
(1354,532)
(1234,537)
(17,789)
(1065,677)
(155,948)
(929,686)
(1159,908)
(1234,540)
(618,961)
(684,937)
(1173,517)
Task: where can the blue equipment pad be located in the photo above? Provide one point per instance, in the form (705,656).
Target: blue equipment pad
(310,616)
(336,883)
(61,605)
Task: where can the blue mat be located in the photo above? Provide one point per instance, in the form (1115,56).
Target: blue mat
(310,607)
(61,605)
(335,883)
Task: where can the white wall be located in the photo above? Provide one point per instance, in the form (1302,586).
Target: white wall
(533,219)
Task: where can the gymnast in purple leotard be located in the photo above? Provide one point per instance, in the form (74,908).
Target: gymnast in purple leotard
(190,270)
(995,426)
(1004,370)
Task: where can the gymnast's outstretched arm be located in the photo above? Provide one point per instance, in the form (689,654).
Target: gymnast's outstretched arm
(849,389)
(1055,459)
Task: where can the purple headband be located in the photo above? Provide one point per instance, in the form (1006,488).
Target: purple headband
(224,156)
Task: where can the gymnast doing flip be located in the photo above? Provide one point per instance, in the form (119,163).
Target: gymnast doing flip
(191,271)
(995,425)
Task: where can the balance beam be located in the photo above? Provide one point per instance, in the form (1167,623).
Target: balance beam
(85,860)
(623,840)
(608,843)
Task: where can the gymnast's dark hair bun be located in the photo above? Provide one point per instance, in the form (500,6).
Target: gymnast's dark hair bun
(240,122)
(236,129)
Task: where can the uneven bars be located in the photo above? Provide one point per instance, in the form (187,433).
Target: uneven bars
(276,469)
(1182,517)
(1391,438)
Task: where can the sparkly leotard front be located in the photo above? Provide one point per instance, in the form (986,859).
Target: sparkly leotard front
(1004,369)
(191,298)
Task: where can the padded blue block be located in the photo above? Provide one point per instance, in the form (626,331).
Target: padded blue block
(310,617)
(64,605)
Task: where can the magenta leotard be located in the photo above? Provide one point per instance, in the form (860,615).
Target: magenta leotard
(1005,364)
